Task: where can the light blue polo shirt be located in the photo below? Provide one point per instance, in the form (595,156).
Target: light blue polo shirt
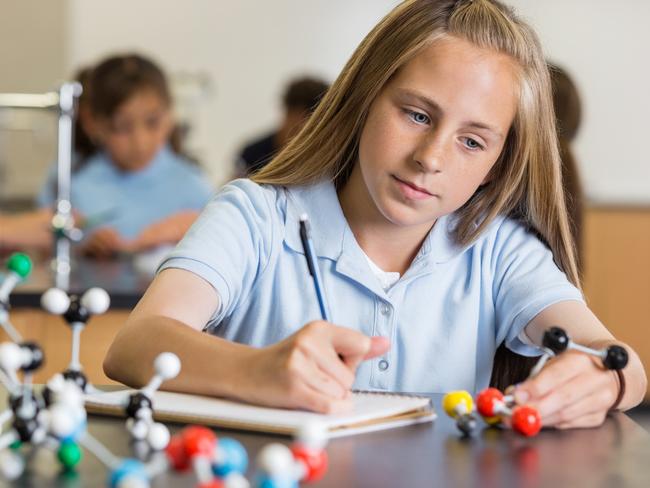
(445,316)
(130,201)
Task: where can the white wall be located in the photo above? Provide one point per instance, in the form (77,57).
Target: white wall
(605,46)
(250,48)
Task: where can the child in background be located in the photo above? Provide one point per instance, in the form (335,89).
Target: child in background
(431,174)
(299,102)
(568,112)
(136,189)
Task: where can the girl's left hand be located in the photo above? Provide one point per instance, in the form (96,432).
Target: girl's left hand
(573,390)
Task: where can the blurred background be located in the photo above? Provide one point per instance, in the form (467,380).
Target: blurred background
(229,63)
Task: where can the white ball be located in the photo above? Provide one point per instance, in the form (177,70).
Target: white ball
(312,434)
(132,482)
(55,301)
(235,480)
(71,394)
(96,301)
(138,429)
(167,365)
(11,356)
(158,436)
(276,460)
(12,464)
(144,413)
(56,383)
(62,424)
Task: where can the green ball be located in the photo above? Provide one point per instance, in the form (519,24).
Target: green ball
(15,445)
(20,264)
(69,454)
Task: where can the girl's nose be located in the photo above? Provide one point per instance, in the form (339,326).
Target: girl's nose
(429,154)
(140,140)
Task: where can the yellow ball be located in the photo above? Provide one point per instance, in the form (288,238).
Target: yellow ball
(496,420)
(457,402)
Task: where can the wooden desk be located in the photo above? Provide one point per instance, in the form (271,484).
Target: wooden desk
(425,455)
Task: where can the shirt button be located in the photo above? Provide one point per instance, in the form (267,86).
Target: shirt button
(383,365)
(385,309)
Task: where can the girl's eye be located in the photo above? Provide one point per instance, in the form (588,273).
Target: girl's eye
(472,144)
(417,117)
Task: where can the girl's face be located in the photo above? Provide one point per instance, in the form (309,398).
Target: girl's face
(136,132)
(434,132)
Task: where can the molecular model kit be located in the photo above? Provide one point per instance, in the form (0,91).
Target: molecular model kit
(496,407)
(55,418)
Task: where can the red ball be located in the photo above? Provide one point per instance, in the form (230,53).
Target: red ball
(526,420)
(176,454)
(215,483)
(486,401)
(199,441)
(314,460)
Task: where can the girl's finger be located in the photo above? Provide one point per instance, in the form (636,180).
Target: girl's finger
(557,371)
(332,366)
(566,394)
(315,400)
(597,402)
(321,381)
(586,421)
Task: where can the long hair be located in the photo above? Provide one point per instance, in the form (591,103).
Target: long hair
(525,181)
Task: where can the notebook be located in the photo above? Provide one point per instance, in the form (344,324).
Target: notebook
(371,411)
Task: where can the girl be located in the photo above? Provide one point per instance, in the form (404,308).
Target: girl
(431,175)
(141,192)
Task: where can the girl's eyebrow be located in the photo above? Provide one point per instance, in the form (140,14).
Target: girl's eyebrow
(435,108)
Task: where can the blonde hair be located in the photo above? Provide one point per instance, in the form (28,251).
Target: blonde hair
(526,179)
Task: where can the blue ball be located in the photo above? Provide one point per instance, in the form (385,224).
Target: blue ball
(129,467)
(235,458)
(264,481)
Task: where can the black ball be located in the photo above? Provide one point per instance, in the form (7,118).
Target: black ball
(136,402)
(25,428)
(556,340)
(15,402)
(77,376)
(76,312)
(466,424)
(37,356)
(47,395)
(616,357)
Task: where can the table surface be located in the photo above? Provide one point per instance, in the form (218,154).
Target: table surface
(119,277)
(431,454)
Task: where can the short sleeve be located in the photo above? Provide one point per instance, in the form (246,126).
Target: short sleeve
(526,281)
(230,243)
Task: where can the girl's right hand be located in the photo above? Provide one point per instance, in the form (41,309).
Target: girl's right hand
(313,369)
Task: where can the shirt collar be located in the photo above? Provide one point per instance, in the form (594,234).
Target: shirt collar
(327,222)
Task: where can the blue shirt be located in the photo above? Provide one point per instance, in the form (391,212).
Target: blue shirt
(129,201)
(445,316)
